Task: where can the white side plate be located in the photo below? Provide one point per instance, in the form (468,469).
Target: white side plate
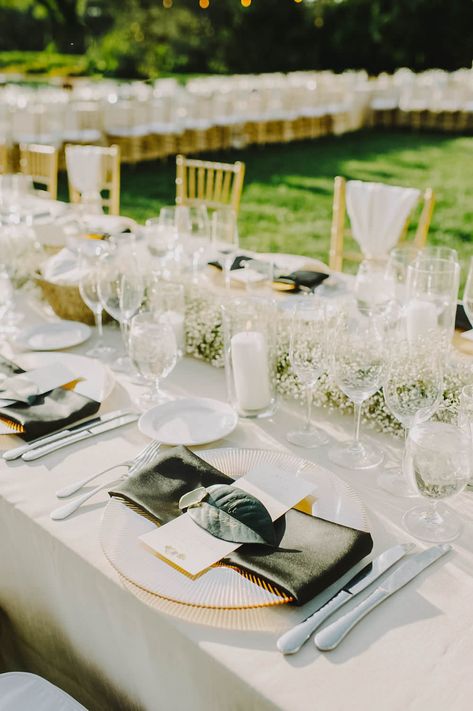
(54,336)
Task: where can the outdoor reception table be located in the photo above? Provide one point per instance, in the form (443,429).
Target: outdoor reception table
(66,613)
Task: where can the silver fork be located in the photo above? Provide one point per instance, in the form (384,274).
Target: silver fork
(136,461)
(143,458)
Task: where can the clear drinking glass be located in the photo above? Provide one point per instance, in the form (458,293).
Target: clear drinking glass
(432,293)
(165,300)
(153,352)
(193,227)
(396,269)
(465,415)
(468,294)
(121,291)
(308,357)
(89,291)
(160,236)
(358,368)
(412,391)
(438,462)
(225,239)
(374,287)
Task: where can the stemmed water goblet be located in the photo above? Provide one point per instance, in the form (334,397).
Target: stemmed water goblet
(438,463)
(121,291)
(89,291)
(153,352)
(307,356)
(412,391)
(358,369)
(374,287)
(396,269)
(193,227)
(225,241)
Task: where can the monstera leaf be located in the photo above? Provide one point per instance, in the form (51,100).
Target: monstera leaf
(230,513)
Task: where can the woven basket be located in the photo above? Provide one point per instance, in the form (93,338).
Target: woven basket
(66,301)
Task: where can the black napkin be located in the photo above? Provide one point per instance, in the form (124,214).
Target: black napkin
(462,322)
(49,412)
(300,278)
(311,554)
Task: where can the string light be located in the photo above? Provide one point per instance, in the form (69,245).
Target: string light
(246,3)
(167,4)
(204,4)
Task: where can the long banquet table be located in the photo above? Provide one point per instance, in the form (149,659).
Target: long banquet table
(66,613)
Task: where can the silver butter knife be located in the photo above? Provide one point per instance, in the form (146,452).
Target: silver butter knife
(79,436)
(292,640)
(333,634)
(17,452)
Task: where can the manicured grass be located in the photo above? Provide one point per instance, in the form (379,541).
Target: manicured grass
(287,199)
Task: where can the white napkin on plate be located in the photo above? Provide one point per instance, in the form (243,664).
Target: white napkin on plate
(378,214)
(63,268)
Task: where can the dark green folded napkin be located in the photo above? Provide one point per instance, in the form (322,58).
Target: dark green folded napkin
(311,553)
(49,412)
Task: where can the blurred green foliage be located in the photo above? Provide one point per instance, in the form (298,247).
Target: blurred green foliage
(144,38)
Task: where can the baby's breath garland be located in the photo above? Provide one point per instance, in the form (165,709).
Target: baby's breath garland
(204,340)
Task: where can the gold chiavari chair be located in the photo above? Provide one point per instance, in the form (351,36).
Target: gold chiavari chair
(338,254)
(111,178)
(4,162)
(41,163)
(202,182)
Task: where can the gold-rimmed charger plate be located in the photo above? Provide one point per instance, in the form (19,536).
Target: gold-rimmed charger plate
(221,588)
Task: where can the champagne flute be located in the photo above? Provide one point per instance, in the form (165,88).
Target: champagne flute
(468,294)
(358,368)
(412,391)
(225,239)
(153,352)
(307,356)
(439,465)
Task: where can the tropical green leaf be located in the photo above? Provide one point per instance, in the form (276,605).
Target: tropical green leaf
(231,514)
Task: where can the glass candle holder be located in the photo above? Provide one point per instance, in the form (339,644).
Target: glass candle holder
(250,355)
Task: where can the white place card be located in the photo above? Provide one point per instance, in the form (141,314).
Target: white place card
(185,545)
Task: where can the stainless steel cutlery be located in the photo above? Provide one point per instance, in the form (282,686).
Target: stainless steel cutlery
(64,434)
(290,642)
(328,638)
(144,458)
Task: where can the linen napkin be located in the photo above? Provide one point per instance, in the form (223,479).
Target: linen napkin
(49,412)
(84,170)
(378,214)
(311,553)
(309,279)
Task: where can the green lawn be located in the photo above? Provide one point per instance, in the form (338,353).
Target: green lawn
(287,199)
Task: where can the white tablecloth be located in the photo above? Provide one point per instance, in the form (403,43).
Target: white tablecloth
(65,614)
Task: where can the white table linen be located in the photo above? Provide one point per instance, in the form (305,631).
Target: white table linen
(67,615)
(378,214)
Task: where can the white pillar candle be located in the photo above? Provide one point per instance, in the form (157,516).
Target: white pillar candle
(421,318)
(249,353)
(176,321)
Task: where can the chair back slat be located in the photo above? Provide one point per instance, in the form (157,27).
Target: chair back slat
(206,182)
(40,162)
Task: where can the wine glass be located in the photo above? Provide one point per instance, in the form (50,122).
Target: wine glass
(89,291)
(307,356)
(374,287)
(358,368)
(225,239)
(438,462)
(412,391)
(160,236)
(193,227)
(121,291)
(468,294)
(153,352)
(396,269)
(165,300)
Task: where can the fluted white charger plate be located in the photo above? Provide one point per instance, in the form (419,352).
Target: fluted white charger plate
(220,587)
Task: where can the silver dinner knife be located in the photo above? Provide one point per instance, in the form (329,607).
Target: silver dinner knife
(17,452)
(79,436)
(292,640)
(333,634)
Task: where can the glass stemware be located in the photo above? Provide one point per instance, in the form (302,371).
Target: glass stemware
(121,291)
(89,291)
(358,368)
(396,269)
(307,355)
(465,416)
(193,227)
(468,294)
(412,391)
(225,239)
(439,464)
(374,287)
(153,352)
(165,300)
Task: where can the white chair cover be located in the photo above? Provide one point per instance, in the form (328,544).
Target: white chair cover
(378,214)
(20,691)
